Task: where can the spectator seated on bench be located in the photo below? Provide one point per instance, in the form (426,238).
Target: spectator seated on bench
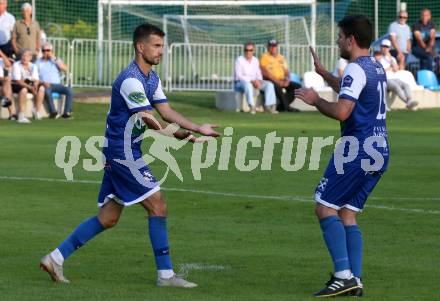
(50,68)
(25,79)
(394,84)
(249,80)
(274,69)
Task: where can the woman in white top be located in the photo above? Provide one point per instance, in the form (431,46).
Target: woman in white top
(25,80)
(394,84)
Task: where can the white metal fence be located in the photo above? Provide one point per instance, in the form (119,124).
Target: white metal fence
(210,67)
(195,67)
(97,64)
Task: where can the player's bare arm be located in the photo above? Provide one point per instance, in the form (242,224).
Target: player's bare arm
(418,37)
(393,39)
(169,115)
(332,80)
(339,110)
(431,44)
(162,126)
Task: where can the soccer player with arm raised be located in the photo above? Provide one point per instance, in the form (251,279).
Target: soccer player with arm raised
(350,175)
(135,93)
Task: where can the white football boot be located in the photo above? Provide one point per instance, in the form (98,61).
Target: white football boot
(54,270)
(175,281)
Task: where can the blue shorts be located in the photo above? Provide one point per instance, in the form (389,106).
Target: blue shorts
(122,186)
(348,190)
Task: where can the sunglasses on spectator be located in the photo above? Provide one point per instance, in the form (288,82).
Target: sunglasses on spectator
(403,17)
(248,50)
(28,31)
(46,50)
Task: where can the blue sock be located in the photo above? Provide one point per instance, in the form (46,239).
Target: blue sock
(335,239)
(82,234)
(157,227)
(354,248)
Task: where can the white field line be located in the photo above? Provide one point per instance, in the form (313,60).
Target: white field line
(295,198)
(202,266)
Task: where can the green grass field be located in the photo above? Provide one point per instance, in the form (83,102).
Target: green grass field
(243,235)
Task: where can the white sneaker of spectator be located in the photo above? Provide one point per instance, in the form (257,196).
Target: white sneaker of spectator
(22,118)
(412,105)
(36,114)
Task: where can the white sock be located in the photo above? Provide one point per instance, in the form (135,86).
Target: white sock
(165,274)
(345,274)
(358,280)
(57,256)
(20,115)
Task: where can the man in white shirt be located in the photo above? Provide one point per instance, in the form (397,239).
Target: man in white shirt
(247,76)
(394,84)
(400,36)
(7,22)
(49,70)
(25,79)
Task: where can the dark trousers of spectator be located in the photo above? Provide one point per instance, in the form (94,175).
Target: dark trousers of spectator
(62,90)
(426,58)
(7,49)
(285,96)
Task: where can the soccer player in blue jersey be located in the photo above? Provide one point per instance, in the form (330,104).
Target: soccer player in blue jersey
(135,93)
(359,159)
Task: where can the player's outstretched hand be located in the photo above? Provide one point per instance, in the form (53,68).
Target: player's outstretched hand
(317,62)
(308,95)
(207,129)
(194,139)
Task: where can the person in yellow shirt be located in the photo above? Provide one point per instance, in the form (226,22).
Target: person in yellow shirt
(274,68)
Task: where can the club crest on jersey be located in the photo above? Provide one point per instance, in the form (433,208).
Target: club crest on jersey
(347,81)
(137,97)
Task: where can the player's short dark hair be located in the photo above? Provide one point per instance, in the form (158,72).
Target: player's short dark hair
(143,31)
(359,27)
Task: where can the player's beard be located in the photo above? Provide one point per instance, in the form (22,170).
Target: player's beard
(152,61)
(345,54)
